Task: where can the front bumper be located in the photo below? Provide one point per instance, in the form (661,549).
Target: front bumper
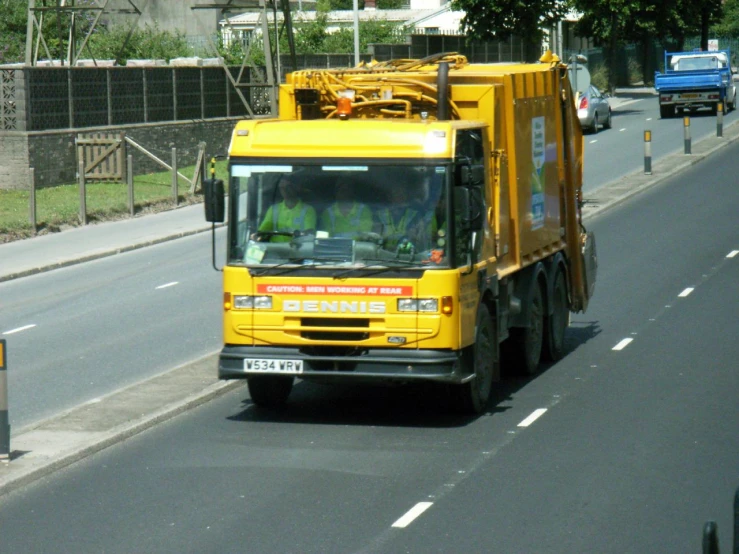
(366,365)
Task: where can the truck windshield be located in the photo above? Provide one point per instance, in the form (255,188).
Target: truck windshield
(347,216)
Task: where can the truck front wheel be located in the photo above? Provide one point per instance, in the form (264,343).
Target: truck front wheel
(472,397)
(270,391)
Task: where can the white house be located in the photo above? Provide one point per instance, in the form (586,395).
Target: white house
(423,16)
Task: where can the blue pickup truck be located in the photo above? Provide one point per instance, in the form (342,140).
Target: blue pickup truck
(694,80)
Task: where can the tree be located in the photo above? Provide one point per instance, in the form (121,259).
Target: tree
(728,27)
(499,19)
(617,22)
(13,30)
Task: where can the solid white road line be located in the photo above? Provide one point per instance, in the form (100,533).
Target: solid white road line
(686,292)
(536,414)
(732,253)
(19,329)
(173,283)
(412,514)
(621,345)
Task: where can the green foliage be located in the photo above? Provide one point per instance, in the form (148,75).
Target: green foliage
(599,77)
(486,20)
(380,4)
(146,43)
(13,30)
(728,27)
(616,22)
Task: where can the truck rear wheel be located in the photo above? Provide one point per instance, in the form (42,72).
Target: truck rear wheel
(472,397)
(525,344)
(666,112)
(557,323)
(270,391)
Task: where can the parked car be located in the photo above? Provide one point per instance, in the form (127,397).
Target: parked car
(593,109)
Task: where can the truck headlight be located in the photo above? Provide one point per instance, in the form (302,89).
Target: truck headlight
(418,304)
(244,302)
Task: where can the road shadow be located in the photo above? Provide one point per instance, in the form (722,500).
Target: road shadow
(413,405)
(425,405)
(620,112)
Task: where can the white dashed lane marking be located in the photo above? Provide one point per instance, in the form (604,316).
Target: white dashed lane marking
(412,514)
(173,283)
(19,329)
(686,292)
(623,344)
(536,414)
(732,253)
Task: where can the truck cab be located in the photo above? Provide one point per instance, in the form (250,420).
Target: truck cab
(695,80)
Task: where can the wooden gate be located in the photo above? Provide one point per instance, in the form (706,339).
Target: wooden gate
(104,155)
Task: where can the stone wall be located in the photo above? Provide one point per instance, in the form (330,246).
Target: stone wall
(52,154)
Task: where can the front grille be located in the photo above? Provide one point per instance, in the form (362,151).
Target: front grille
(334,334)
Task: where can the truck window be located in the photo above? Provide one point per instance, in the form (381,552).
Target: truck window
(337,214)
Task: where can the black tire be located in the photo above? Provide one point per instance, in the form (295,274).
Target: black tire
(666,112)
(607,124)
(270,391)
(595,123)
(526,343)
(714,109)
(557,323)
(472,397)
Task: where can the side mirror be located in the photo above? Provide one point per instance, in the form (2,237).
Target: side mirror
(468,204)
(215,203)
(470,175)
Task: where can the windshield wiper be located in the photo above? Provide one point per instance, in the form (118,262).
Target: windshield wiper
(297,262)
(380,266)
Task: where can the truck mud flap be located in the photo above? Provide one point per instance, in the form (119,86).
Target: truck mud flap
(590,262)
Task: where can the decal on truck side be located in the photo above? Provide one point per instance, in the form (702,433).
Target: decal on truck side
(538,156)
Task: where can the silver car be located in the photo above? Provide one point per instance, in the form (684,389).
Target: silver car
(593,109)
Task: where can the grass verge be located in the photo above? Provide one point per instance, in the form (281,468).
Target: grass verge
(58,207)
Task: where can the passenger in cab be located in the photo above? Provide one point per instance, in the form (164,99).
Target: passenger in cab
(346,217)
(290,215)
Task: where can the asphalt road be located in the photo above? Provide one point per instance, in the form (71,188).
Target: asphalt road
(93,328)
(151,309)
(627,445)
(619,151)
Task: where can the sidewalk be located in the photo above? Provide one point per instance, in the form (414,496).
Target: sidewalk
(81,244)
(59,441)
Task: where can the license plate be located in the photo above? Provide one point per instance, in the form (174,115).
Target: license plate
(273,366)
(690,95)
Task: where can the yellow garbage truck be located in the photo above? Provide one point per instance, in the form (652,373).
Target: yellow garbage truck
(404,221)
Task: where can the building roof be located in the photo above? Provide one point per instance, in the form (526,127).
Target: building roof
(336,17)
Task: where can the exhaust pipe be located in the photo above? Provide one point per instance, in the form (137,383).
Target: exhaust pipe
(442,92)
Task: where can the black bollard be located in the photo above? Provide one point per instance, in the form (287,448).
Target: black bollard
(4,419)
(710,538)
(720,120)
(736,521)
